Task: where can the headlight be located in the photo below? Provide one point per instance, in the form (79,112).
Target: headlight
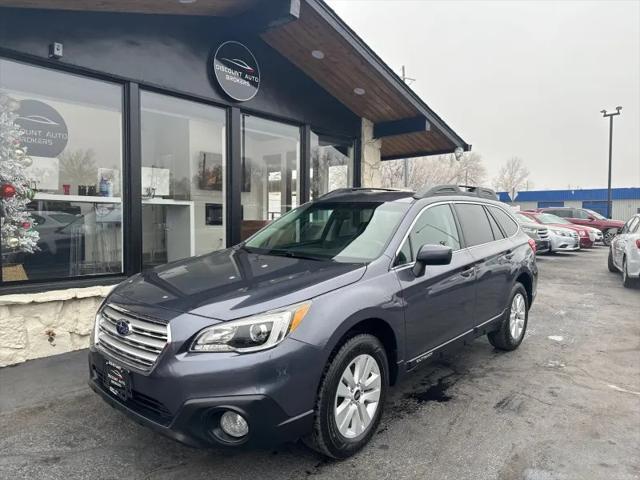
(251,334)
(96,330)
(531,231)
(559,232)
(582,233)
(93,339)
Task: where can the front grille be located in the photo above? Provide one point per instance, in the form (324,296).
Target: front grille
(543,233)
(574,234)
(143,404)
(141,347)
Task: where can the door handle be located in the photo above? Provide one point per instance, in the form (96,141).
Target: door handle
(468,272)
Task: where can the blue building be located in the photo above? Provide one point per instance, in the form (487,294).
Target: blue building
(625,201)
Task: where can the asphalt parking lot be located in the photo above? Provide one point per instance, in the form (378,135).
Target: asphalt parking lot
(566,405)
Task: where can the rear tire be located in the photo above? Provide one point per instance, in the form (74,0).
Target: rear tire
(610,264)
(513,325)
(341,441)
(627,281)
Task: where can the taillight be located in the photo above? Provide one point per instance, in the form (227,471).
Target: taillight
(532,244)
(638,243)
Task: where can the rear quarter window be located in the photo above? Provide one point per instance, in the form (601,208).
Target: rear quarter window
(475,224)
(508,224)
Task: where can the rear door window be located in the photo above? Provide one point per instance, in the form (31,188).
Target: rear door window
(497,232)
(560,213)
(581,214)
(632,225)
(475,224)
(508,224)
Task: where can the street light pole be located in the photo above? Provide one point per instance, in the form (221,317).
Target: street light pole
(610,115)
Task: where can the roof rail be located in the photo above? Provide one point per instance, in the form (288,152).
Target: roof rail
(467,190)
(339,191)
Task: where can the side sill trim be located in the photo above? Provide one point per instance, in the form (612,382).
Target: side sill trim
(423,356)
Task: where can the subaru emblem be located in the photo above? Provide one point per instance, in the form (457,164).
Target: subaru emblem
(123,328)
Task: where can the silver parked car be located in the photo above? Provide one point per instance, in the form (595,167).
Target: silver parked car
(560,239)
(539,233)
(624,252)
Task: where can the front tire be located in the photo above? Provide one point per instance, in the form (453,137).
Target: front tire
(513,325)
(351,398)
(610,264)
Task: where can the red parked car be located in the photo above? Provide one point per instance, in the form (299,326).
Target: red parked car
(553,220)
(584,216)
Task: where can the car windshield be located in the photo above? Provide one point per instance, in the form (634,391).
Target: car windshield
(595,214)
(548,218)
(337,231)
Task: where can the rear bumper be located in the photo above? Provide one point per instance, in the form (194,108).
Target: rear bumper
(633,266)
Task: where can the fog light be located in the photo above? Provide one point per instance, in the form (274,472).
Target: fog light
(233,424)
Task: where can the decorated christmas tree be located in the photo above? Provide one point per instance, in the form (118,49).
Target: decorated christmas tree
(16,190)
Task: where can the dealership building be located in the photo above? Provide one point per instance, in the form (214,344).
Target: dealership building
(161,130)
(625,202)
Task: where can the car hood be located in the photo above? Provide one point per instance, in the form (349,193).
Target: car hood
(560,226)
(574,227)
(230,284)
(533,225)
(613,223)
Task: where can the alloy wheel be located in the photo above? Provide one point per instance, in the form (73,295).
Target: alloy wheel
(517,316)
(358,396)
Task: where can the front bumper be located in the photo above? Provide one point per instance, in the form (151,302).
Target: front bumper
(586,242)
(565,244)
(184,396)
(542,246)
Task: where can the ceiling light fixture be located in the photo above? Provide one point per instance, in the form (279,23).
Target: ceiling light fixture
(184,2)
(319,54)
(359,91)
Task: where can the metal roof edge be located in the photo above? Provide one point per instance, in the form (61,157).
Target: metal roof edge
(341,27)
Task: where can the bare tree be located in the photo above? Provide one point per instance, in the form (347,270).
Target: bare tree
(512,177)
(425,172)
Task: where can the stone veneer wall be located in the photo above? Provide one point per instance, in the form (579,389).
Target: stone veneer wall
(42,324)
(371,163)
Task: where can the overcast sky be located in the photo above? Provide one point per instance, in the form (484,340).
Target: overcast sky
(519,78)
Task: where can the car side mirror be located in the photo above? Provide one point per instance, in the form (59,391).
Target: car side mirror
(431,255)
(591,218)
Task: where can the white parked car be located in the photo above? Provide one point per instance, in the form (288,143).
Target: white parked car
(624,252)
(595,235)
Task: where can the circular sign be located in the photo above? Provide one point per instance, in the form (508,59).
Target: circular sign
(44,131)
(236,71)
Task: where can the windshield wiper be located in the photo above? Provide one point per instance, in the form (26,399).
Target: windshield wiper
(292,254)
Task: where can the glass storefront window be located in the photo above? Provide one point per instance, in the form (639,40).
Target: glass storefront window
(331,164)
(183,178)
(270,166)
(71,130)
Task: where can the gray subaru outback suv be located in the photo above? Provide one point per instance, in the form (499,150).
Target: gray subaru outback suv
(299,331)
